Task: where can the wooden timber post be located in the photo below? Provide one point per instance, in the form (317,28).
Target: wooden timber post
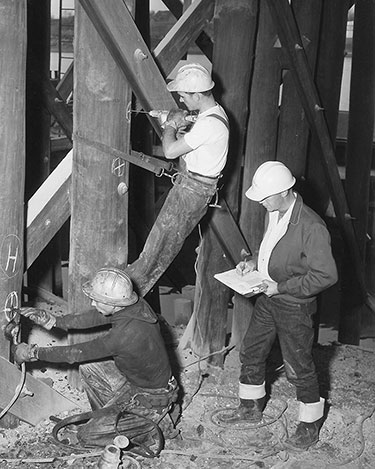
(261,138)
(99,217)
(328,73)
(141,182)
(13,38)
(293,130)
(358,160)
(47,268)
(234,30)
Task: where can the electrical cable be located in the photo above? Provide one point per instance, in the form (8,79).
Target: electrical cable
(361,420)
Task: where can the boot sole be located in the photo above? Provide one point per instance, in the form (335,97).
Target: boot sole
(299,449)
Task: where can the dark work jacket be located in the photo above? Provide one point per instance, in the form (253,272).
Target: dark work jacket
(133,340)
(301,262)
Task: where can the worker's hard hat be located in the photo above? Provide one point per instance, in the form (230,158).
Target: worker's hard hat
(191,78)
(112,287)
(272,177)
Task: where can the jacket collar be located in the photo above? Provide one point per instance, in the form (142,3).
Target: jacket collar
(297,209)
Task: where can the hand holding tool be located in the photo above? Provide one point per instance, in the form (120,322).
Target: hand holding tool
(39,316)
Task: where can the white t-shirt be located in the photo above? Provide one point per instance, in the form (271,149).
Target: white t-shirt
(209,138)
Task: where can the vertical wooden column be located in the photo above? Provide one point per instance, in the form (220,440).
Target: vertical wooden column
(13,39)
(38,124)
(234,30)
(293,131)
(142,182)
(261,141)
(359,155)
(329,69)
(12,154)
(99,220)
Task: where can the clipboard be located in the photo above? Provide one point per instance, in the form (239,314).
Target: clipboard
(249,284)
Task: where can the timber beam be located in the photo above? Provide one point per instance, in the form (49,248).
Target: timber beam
(181,36)
(203,41)
(55,104)
(291,42)
(48,209)
(117,28)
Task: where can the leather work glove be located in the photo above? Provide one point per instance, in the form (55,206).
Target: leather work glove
(25,353)
(39,316)
(177,117)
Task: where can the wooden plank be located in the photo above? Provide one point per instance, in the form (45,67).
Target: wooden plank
(119,33)
(44,402)
(65,85)
(48,209)
(203,41)
(292,43)
(181,36)
(57,107)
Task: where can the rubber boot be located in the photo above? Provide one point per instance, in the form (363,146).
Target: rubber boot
(307,431)
(249,410)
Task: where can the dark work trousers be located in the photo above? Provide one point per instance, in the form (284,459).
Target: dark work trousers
(182,210)
(293,323)
(106,386)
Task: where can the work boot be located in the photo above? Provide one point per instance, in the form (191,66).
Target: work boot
(307,431)
(306,435)
(249,410)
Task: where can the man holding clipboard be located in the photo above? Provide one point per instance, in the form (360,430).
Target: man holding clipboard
(295,263)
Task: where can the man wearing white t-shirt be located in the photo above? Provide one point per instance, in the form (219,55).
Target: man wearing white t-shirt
(202,152)
(296,261)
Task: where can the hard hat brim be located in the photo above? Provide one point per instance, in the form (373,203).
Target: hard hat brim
(88,291)
(257,194)
(175,86)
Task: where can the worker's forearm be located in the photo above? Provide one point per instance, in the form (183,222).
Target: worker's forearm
(168,139)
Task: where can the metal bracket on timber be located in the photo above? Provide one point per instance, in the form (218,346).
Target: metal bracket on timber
(298,65)
(37,400)
(117,28)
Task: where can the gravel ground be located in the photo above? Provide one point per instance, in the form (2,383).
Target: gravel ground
(347,439)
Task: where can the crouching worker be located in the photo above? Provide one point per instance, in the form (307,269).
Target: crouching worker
(136,372)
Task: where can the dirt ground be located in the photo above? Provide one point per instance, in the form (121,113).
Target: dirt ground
(347,438)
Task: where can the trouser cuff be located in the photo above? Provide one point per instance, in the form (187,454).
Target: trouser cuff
(311,412)
(251,391)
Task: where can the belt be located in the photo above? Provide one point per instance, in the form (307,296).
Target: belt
(197,175)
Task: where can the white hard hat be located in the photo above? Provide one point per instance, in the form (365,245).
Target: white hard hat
(191,78)
(272,177)
(112,287)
